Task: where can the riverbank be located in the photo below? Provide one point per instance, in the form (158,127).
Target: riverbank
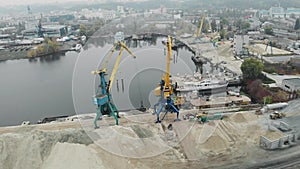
(19,52)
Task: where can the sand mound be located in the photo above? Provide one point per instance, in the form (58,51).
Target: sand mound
(28,150)
(250,116)
(75,156)
(238,118)
(215,143)
(206,132)
(243,117)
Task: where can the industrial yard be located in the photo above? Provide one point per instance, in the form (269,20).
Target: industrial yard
(172,86)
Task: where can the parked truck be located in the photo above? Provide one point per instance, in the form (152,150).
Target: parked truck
(276,115)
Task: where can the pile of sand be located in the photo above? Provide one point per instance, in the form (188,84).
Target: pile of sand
(215,143)
(131,140)
(250,116)
(74,156)
(27,148)
(238,118)
(243,117)
(206,132)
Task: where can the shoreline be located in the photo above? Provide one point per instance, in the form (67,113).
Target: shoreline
(22,53)
(4,56)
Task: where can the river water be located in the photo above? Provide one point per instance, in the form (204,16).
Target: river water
(31,90)
(58,85)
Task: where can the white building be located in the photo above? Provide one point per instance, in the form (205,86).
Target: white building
(120,9)
(292,11)
(277,12)
(239,43)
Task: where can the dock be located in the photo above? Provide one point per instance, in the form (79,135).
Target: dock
(220,101)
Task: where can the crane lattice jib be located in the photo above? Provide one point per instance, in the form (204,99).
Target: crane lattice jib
(112,77)
(109,56)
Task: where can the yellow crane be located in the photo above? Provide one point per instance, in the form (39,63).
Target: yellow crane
(165,90)
(199,30)
(168,90)
(103,96)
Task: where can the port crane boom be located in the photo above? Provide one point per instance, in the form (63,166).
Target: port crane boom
(103,97)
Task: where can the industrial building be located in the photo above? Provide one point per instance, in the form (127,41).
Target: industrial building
(291,85)
(292,11)
(239,42)
(8,30)
(47,30)
(277,12)
(280,12)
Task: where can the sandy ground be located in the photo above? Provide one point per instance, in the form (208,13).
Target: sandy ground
(136,143)
(260,48)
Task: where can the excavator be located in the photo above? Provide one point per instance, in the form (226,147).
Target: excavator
(165,90)
(103,97)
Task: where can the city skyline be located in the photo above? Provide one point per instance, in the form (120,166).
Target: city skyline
(31,2)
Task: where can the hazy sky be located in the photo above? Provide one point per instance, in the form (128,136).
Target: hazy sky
(28,2)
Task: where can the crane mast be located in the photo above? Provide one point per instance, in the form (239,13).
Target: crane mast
(168,90)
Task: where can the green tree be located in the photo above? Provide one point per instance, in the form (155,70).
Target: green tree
(238,23)
(268,99)
(251,68)
(269,30)
(297,24)
(82,30)
(52,46)
(245,25)
(222,34)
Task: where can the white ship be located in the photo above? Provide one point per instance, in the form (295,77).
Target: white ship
(204,85)
(190,84)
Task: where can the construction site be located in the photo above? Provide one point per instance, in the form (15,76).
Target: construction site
(183,129)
